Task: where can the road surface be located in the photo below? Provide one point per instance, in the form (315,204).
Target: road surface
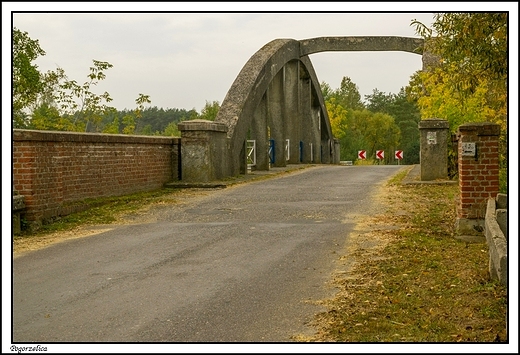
(241,264)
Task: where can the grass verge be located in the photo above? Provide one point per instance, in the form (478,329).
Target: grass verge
(407,279)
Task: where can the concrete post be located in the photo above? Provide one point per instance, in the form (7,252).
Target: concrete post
(337,150)
(434,149)
(203,150)
(326,143)
(478,174)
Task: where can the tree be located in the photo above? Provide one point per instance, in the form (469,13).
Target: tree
(337,117)
(472,71)
(380,132)
(26,79)
(475,42)
(326,91)
(348,95)
(209,111)
(129,120)
(407,117)
(78,102)
(52,101)
(379,101)
(356,127)
(171,130)
(469,82)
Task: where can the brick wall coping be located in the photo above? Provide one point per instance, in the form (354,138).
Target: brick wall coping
(480,128)
(434,123)
(202,125)
(58,136)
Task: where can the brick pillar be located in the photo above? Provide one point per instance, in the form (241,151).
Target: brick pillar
(478,174)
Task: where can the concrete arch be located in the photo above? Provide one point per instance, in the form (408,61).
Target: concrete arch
(254,82)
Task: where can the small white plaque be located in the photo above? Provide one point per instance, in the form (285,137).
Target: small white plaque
(468,149)
(431,137)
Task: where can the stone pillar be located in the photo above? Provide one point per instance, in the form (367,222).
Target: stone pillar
(478,174)
(203,150)
(434,149)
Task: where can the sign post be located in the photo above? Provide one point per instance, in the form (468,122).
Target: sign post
(398,156)
(380,154)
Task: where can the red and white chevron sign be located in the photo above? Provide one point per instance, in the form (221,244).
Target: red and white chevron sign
(399,154)
(380,154)
(362,154)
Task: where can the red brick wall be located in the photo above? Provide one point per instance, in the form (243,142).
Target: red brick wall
(55,171)
(478,176)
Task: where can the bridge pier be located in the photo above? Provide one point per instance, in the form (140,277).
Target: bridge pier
(292,124)
(275,113)
(306,121)
(260,135)
(316,133)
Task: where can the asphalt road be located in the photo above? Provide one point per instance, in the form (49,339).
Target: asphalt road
(234,265)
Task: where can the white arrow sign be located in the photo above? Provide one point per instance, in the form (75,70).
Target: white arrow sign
(362,154)
(399,154)
(380,154)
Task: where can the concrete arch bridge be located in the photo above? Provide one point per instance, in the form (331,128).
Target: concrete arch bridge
(274,113)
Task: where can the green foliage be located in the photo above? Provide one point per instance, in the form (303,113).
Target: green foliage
(172,130)
(347,95)
(26,79)
(78,102)
(407,117)
(389,122)
(326,91)
(209,111)
(47,117)
(52,101)
(502,180)
(337,117)
(476,42)
(469,82)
